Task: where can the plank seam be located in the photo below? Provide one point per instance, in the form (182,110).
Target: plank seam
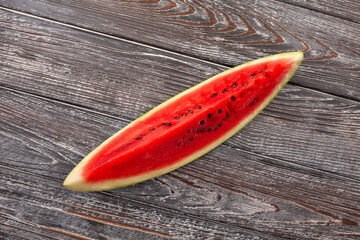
(131,41)
(292,164)
(317,11)
(123,39)
(70,104)
(350,99)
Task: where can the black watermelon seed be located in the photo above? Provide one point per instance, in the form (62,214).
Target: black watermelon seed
(234,85)
(209,115)
(191,139)
(227,115)
(214,95)
(233,98)
(244,84)
(178,144)
(153,129)
(219,125)
(219,111)
(225,90)
(202,122)
(183,137)
(177,117)
(252,75)
(167,124)
(198,130)
(139,138)
(190,111)
(198,107)
(183,114)
(209,129)
(263,70)
(252,102)
(215,128)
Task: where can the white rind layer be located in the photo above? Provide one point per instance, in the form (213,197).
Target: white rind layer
(76,182)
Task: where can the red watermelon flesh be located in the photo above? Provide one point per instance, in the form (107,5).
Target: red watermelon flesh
(186,126)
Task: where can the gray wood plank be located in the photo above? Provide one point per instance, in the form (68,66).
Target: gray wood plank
(126,80)
(345,9)
(221,194)
(226,32)
(48,211)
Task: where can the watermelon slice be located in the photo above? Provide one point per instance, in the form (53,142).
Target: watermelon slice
(186,126)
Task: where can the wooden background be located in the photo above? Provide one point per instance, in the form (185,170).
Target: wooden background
(73,72)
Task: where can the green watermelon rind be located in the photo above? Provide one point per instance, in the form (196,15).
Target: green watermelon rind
(75,181)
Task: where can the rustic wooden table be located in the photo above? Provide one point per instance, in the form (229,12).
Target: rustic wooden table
(72,73)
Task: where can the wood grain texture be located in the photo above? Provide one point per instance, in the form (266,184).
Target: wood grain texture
(225,32)
(42,140)
(49,211)
(126,80)
(345,9)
